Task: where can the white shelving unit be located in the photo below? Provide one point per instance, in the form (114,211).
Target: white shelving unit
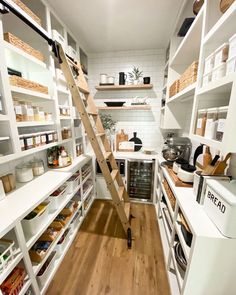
(202,256)
(25,198)
(209,30)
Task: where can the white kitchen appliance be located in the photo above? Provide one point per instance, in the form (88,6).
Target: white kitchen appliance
(220,205)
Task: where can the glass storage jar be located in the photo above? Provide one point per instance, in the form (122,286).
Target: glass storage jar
(41,114)
(66,133)
(24,173)
(36,139)
(22,142)
(37,167)
(222,115)
(55,136)
(201,122)
(43,138)
(211,123)
(18,111)
(30,112)
(49,137)
(36,113)
(48,116)
(29,141)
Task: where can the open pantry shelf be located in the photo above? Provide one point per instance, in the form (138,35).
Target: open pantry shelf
(125,108)
(124,87)
(25,93)
(185,94)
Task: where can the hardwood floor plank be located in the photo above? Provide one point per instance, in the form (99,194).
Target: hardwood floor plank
(98,262)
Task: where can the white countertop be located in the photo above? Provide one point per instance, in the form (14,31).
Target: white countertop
(135,155)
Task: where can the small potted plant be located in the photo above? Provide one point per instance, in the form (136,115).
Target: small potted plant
(135,75)
(110,128)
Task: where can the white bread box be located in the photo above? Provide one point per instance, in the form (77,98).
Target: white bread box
(220,205)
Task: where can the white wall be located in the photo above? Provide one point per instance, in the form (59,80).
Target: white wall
(151,62)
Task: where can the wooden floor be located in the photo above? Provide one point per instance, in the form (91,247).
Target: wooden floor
(98,262)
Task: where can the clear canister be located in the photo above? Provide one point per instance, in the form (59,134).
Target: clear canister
(211,123)
(222,115)
(36,139)
(37,167)
(41,114)
(36,113)
(29,141)
(24,173)
(18,111)
(201,122)
(22,142)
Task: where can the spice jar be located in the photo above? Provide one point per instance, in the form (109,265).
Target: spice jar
(24,173)
(18,111)
(36,139)
(36,113)
(66,133)
(22,142)
(201,122)
(29,142)
(49,136)
(211,123)
(37,167)
(55,136)
(222,115)
(43,138)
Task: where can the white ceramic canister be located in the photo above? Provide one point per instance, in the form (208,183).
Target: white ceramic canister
(103,78)
(111,80)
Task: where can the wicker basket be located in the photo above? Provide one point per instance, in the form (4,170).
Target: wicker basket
(21,82)
(189,76)
(174,88)
(28,11)
(225,4)
(10,38)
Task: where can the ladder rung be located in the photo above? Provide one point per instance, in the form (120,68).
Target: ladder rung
(100,134)
(127,209)
(92,113)
(114,174)
(121,190)
(72,63)
(107,155)
(83,90)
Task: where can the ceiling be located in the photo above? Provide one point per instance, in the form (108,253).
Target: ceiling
(114,25)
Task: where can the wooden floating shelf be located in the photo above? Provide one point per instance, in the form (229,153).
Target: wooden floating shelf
(124,87)
(141,107)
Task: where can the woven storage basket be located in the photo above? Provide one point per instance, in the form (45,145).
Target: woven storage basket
(10,38)
(28,11)
(225,4)
(21,82)
(174,88)
(189,76)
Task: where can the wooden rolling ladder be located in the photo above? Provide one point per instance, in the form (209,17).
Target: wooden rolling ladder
(85,105)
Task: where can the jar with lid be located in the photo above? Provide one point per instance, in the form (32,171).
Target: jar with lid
(43,138)
(27,111)
(36,139)
(211,123)
(30,112)
(36,113)
(29,141)
(55,136)
(24,173)
(18,111)
(201,122)
(49,137)
(22,142)
(48,116)
(37,167)
(66,133)
(41,114)
(222,115)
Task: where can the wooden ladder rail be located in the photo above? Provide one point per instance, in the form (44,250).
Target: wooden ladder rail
(87,109)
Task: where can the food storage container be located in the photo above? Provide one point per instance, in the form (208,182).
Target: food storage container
(220,205)
(209,64)
(221,54)
(57,197)
(211,123)
(41,115)
(39,251)
(14,282)
(22,142)
(79,149)
(231,65)
(222,115)
(48,117)
(62,243)
(36,113)
(232,47)
(36,139)
(201,122)
(66,133)
(24,173)
(46,269)
(43,138)
(111,80)
(55,136)
(29,142)
(51,233)
(69,208)
(73,182)
(103,78)
(8,182)
(18,111)
(219,71)
(34,220)
(37,167)
(206,79)
(7,251)
(49,136)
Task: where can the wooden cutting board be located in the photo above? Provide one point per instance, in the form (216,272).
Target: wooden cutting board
(121,137)
(176,180)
